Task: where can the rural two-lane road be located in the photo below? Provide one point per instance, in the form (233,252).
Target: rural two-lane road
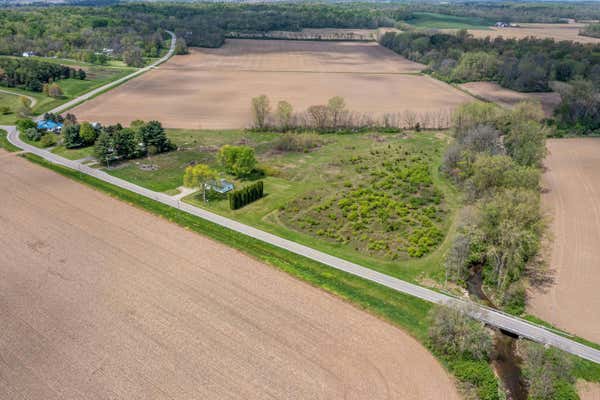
(492,317)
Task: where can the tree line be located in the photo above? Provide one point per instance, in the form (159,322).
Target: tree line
(334,116)
(114,142)
(496,159)
(34,74)
(526,65)
(89,34)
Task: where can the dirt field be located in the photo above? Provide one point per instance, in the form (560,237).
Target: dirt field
(572,180)
(554,31)
(588,391)
(212,88)
(509,98)
(100,300)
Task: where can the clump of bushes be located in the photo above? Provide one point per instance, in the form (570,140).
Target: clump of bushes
(246,195)
(466,345)
(302,142)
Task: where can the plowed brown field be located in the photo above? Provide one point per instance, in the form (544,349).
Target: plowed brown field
(493,92)
(557,32)
(100,300)
(212,88)
(572,181)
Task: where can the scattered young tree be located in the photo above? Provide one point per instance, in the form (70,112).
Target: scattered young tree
(336,107)
(71,136)
(25,108)
(261,108)
(154,136)
(320,116)
(237,160)
(87,133)
(104,148)
(55,91)
(197,176)
(548,372)
(133,57)
(453,333)
(284,114)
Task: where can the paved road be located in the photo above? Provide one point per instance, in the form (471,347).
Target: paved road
(492,317)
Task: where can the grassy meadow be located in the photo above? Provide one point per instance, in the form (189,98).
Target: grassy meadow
(441,21)
(320,197)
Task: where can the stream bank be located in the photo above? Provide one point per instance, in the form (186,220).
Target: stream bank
(505,360)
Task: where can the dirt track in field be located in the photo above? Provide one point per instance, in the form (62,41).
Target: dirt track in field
(557,32)
(509,98)
(213,88)
(99,300)
(572,300)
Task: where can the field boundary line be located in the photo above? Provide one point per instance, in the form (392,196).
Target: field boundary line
(499,319)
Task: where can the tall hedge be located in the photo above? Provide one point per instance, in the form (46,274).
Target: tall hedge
(246,195)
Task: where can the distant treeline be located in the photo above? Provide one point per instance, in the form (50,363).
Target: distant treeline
(33,74)
(526,65)
(514,11)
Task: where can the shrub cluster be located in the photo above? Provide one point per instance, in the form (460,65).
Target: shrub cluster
(246,195)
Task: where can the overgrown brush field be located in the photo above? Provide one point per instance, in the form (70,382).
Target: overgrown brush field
(386,206)
(377,199)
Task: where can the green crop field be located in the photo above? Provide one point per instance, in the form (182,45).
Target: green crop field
(317,197)
(442,21)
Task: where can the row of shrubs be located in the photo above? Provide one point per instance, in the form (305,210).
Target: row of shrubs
(246,195)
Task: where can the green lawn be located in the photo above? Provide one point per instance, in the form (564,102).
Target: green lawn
(442,21)
(319,173)
(13,103)
(73,154)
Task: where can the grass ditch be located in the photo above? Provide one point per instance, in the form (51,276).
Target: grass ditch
(404,311)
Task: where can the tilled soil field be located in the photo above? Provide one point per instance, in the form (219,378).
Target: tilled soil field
(508,98)
(100,300)
(557,32)
(213,88)
(570,299)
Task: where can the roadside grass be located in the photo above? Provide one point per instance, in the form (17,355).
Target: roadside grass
(443,21)
(293,175)
(73,154)
(404,311)
(5,144)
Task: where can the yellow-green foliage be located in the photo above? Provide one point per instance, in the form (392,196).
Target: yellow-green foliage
(390,209)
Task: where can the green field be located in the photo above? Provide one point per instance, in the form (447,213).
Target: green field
(442,21)
(73,154)
(418,212)
(13,103)
(96,77)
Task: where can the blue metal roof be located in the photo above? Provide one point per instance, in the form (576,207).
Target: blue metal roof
(49,125)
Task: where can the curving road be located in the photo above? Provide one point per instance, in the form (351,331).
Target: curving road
(489,316)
